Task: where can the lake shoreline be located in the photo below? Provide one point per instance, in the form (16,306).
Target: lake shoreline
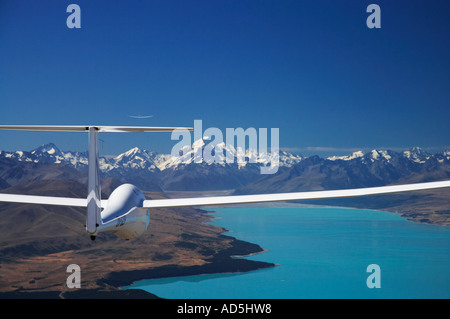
(110,285)
(221,263)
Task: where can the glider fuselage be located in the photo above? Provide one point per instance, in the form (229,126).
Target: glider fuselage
(124,214)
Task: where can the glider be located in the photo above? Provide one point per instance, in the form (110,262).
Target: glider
(126,212)
(140,116)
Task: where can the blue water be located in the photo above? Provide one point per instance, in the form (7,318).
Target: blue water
(324,253)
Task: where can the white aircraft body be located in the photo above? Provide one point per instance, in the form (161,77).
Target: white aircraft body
(127,212)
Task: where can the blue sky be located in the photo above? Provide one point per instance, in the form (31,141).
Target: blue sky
(311,68)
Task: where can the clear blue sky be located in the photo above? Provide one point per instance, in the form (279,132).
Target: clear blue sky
(311,68)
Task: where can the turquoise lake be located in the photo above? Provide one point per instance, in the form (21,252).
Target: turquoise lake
(324,253)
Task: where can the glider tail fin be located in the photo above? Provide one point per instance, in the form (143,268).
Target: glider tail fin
(94,188)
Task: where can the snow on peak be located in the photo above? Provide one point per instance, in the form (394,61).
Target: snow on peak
(354,155)
(416,154)
(49,148)
(379,155)
(214,152)
(133,158)
(198,143)
(373,155)
(207,152)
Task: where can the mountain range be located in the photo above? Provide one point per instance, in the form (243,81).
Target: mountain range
(162,172)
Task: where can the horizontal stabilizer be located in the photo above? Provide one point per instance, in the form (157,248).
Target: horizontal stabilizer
(263,198)
(85,128)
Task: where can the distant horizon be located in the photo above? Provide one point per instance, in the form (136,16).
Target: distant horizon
(323,152)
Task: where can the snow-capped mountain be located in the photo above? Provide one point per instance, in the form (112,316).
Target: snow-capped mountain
(132,159)
(220,154)
(372,156)
(374,168)
(192,170)
(139,159)
(417,155)
(354,155)
(50,149)
(192,167)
